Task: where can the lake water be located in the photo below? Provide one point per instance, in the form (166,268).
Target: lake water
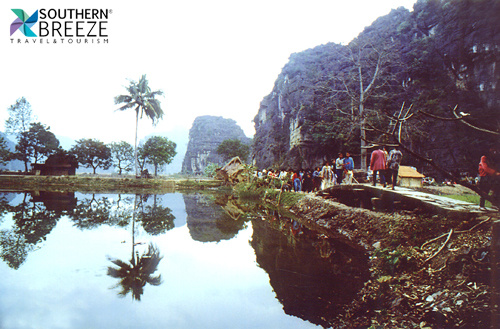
(200,261)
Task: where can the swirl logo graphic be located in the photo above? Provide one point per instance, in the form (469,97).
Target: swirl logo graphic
(24,23)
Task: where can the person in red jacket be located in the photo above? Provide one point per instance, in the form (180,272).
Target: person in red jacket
(378,165)
(488,176)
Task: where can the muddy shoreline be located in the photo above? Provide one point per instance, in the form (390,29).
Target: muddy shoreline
(427,270)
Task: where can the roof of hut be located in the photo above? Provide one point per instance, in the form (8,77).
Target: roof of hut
(409,172)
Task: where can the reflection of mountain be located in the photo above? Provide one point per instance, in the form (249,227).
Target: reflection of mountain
(313,277)
(207,221)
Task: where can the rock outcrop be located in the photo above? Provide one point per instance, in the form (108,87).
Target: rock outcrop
(205,136)
(335,97)
(281,136)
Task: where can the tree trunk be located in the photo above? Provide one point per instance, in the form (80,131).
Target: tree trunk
(133,232)
(364,151)
(362,121)
(136,162)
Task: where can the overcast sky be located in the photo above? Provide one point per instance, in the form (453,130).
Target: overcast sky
(209,57)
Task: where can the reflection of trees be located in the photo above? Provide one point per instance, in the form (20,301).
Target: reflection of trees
(155,219)
(32,223)
(91,213)
(34,219)
(139,271)
(14,247)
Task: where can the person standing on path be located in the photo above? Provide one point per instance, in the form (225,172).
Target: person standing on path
(348,168)
(339,168)
(327,176)
(297,181)
(316,175)
(393,163)
(378,165)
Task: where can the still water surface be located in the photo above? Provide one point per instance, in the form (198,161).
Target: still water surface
(200,261)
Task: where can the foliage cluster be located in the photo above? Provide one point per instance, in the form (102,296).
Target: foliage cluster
(231,148)
(211,170)
(35,143)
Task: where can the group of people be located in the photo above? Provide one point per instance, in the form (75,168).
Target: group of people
(385,165)
(335,172)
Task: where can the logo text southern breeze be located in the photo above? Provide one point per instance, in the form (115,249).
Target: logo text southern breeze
(81,26)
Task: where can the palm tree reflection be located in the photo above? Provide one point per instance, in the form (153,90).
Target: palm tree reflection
(134,275)
(139,271)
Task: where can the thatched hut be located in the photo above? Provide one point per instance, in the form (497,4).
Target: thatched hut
(409,177)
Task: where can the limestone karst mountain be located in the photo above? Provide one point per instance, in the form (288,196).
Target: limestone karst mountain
(205,136)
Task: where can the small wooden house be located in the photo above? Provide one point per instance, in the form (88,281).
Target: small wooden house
(56,165)
(409,177)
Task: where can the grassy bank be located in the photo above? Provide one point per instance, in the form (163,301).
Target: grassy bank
(101,184)
(468,198)
(257,192)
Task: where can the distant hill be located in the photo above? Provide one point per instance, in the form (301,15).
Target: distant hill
(205,136)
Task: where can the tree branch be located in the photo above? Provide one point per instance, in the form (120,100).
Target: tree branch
(472,126)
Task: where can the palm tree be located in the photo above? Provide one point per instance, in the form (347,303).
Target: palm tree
(143,101)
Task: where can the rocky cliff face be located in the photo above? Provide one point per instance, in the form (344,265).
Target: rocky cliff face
(281,136)
(205,136)
(326,98)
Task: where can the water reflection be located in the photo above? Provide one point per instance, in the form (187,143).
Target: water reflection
(139,271)
(156,219)
(313,276)
(134,275)
(207,223)
(198,241)
(55,201)
(31,223)
(35,215)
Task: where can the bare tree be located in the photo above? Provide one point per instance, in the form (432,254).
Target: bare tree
(396,140)
(367,76)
